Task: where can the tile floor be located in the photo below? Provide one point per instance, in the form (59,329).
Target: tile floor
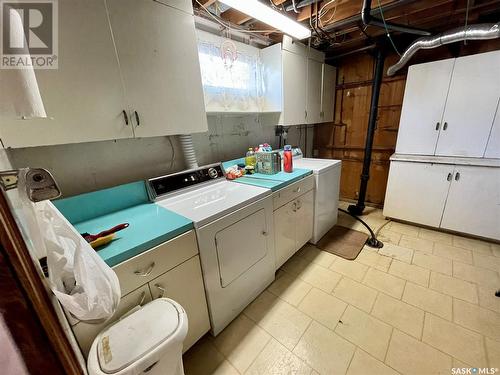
(421,305)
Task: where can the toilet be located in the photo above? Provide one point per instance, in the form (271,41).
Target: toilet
(147,341)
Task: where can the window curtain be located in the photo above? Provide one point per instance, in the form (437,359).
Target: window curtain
(231,76)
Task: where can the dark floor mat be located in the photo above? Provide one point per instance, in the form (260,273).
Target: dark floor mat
(344,242)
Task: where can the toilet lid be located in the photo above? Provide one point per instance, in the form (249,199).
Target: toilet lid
(136,335)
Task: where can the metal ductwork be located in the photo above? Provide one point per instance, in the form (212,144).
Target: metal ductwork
(188,150)
(472,32)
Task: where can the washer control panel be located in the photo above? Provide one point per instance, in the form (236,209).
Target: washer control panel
(160,186)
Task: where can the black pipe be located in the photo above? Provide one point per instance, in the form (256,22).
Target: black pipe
(368,19)
(372,241)
(372,122)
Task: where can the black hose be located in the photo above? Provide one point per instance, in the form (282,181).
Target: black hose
(372,241)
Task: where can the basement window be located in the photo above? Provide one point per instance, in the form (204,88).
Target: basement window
(230,76)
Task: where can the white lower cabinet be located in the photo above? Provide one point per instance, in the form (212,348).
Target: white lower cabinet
(304,218)
(473,204)
(171,270)
(293,225)
(184,284)
(461,198)
(417,192)
(284,232)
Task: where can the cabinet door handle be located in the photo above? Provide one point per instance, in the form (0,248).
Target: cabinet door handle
(143,297)
(137,120)
(296,190)
(162,290)
(147,272)
(449,176)
(437,125)
(264,233)
(294,205)
(299,204)
(305,114)
(445,126)
(125,117)
(457,176)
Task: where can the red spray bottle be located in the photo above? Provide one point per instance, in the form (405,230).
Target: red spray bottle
(287,159)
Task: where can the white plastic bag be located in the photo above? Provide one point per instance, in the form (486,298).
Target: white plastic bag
(82,282)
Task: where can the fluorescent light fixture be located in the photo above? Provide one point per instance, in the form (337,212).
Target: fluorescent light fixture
(266,14)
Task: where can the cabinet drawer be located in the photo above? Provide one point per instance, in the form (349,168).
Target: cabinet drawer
(292,191)
(184,284)
(146,266)
(85,333)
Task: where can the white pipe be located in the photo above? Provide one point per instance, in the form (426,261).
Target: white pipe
(188,150)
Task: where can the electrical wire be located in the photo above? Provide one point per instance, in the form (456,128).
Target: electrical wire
(173,152)
(466,22)
(386,29)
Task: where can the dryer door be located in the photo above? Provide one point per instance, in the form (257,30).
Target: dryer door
(240,246)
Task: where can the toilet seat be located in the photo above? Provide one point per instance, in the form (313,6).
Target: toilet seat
(139,340)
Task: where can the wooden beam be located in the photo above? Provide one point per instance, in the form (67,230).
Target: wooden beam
(234,16)
(345,9)
(207,3)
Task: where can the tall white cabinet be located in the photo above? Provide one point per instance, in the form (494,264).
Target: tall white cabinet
(446,169)
(126,68)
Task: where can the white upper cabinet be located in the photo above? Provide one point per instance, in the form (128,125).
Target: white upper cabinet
(158,57)
(124,67)
(294,88)
(84,97)
(313,94)
(297,83)
(272,78)
(471,105)
(449,106)
(329,81)
(493,147)
(423,106)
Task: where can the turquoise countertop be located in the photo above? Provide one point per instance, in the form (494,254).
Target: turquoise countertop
(271,181)
(150,224)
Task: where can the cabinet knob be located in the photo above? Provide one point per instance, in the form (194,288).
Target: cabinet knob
(137,120)
(437,125)
(264,233)
(299,204)
(143,297)
(449,176)
(147,272)
(162,290)
(125,117)
(445,126)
